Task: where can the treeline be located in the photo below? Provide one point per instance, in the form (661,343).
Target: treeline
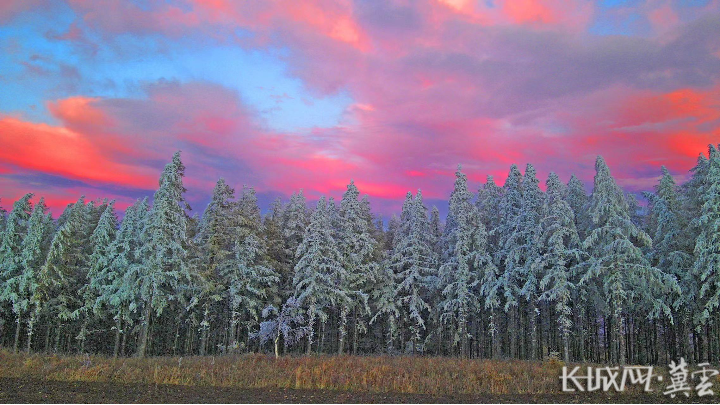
(512,272)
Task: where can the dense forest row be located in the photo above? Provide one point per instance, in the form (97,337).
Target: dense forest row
(512,272)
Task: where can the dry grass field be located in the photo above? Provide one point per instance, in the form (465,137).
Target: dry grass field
(448,379)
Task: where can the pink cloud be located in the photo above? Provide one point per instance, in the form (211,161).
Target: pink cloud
(11,8)
(433,83)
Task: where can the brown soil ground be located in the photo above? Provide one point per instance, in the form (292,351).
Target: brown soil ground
(16,390)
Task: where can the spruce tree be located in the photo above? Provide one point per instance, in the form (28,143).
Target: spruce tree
(707,246)
(252,282)
(162,253)
(10,249)
(561,253)
(212,255)
(412,262)
(508,255)
(118,296)
(65,269)
(357,247)
(319,271)
(617,263)
(672,251)
(464,239)
(527,251)
(100,241)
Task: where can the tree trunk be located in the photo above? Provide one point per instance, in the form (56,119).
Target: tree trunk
(118,328)
(204,327)
(356,331)
(58,333)
(31,329)
(532,326)
(144,330)
(83,332)
(47,338)
(17,333)
(495,334)
(512,329)
(342,330)
(277,346)
(311,325)
(620,335)
(463,335)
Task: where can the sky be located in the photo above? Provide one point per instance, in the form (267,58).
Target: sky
(95,96)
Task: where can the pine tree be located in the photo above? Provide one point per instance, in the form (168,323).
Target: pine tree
(508,256)
(21,286)
(13,236)
(528,251)
(319,271)
(212,253)
(464,240)
(672,250)
(163,251)
(65,269)
(707,247)
(488,204)
(412,262)
(561,253)
(617,262)
(285,323)
(252,284)
(100,241)
(118,295)
(357,247)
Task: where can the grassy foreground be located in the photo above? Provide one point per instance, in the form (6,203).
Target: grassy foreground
(417,375)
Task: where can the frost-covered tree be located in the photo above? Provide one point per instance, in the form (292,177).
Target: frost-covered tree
(118,296)
(411,260)
(508,254)
(560,254)
(319,272)
(163,250)
(287,323)
(10,248)
(101,240)
(464,239)
(35,249)
(212,254)
(672,250)
(65,269)
(617,263)
(488,204)
(21,286)
(525,251)
(707,246)
(357,247)
(252,284)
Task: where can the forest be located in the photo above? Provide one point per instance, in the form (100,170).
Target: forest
(512,272)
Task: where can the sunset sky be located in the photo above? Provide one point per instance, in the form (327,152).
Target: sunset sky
(95,96)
